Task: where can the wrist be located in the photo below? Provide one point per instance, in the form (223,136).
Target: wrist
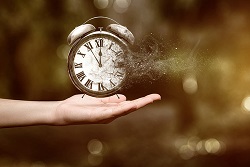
(55,116)
(47,114)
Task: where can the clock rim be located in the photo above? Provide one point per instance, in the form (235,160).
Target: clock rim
(75,47)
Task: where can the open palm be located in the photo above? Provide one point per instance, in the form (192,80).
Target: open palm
(87,109)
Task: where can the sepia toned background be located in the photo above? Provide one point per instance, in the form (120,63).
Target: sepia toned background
(194,53)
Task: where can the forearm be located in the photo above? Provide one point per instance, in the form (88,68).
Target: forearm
(25,113)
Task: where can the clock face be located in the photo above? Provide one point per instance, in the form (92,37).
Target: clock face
(96,63)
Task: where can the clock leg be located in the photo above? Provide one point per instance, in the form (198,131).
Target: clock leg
(117,96)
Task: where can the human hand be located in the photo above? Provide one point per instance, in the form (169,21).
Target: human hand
(89,110)
(74,110)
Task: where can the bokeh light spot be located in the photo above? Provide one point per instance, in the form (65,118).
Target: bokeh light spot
(190,85)
(186,152)
(62,51)
(101,4)
(121,6)
(200,148)
(95,147)
(246,103)
(192,142)
(212,146)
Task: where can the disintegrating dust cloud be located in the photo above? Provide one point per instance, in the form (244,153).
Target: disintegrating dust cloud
(152,59)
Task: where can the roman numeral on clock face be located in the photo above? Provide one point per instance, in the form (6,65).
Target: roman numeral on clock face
(101,87)
(110,46)
(81,76)
(88,46)
(80,53)
(112,84)
(89,84)
(78,65)
(119,74)
(117,53)
(99,42)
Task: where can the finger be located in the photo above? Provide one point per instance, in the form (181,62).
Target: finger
(114,99)
(127,107)
(154,96)
(141,102)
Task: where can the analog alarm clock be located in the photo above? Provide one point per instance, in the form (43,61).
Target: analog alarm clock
(96,61)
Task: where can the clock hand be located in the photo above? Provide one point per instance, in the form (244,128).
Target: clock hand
(95,58)
(100,56)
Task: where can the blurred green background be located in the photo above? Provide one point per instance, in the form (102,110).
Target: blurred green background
(199,51)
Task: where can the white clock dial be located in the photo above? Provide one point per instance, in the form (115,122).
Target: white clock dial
(97,66)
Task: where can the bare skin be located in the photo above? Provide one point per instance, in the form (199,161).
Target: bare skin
(74,110)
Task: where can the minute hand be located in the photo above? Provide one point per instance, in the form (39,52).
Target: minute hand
(95,57)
